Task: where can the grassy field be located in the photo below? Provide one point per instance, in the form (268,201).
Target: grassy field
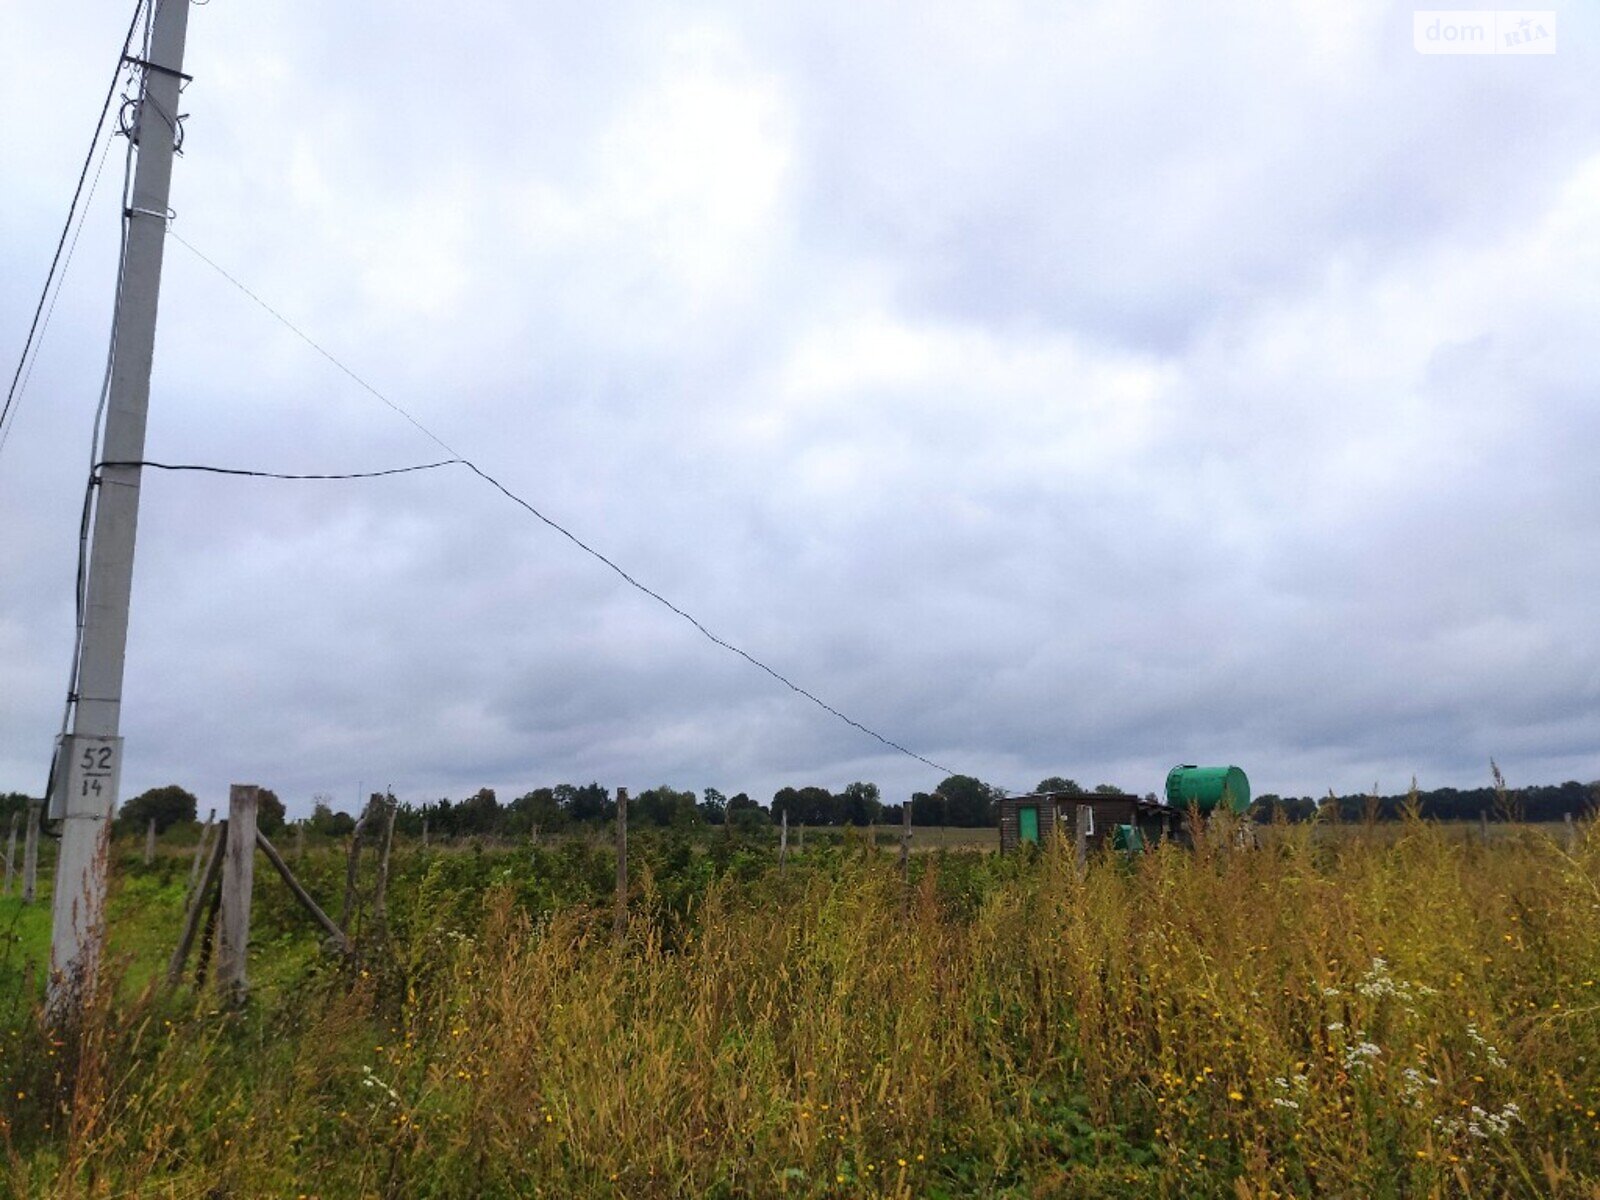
(1401,1012)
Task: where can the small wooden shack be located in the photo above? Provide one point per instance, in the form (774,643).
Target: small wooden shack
(1129,822)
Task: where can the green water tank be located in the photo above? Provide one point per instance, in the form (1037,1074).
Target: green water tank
(1208,788)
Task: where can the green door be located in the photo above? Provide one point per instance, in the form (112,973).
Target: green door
(1028,825)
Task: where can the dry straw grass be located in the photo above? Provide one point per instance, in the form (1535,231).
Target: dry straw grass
(1405,1016)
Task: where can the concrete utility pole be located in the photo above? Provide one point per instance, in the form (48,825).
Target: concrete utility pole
(88,761)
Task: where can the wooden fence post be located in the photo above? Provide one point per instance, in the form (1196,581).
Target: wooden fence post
(299,840)
(424,833)
(1483,827)
(905,839)
(238,876)
(11,850)
(351,867)
(1572,832)
(619,922)
(872,839)
(150,842)
(197,906)
(1082,857)
(200,849)
(30,852)
(783,839)
(381,892)
(341,942)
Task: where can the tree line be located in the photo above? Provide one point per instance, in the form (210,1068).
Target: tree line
(960,800)
(1541,802)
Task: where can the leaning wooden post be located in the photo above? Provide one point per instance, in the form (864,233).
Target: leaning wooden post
(1082,848)
(783,839)
(380,893)
(30,851)
(200,849)
(11,850)
(238,876)
(197,905)
(620,920)
(351,866)
(150,842)
(341,943)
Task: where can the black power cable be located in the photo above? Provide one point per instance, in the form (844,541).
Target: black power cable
(15,389)
(564,532)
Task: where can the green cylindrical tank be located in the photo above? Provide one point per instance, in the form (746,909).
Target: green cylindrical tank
(1208,788)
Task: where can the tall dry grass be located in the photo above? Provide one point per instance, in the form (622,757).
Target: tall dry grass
(1398,1016)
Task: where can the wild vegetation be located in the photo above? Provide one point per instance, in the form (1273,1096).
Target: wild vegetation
(1404,1013)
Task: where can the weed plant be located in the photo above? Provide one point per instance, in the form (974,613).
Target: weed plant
(1406,1015)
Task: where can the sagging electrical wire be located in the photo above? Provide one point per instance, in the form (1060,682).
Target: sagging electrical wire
(564,532)
(464,461)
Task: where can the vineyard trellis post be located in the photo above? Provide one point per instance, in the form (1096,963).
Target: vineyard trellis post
(340,940)
(197,903)
(238,878)
(200,849)
(352,866)
(11,850)
(620,919)
(380,896)
(30,851)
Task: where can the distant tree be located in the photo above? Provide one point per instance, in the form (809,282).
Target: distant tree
(166,805)
(1057,784)
(969,802)
(538,808)
(806,806)
(270,813)
(13,802)
(665,806)
(326,821)
(714,808)
(1107,789)
(745,813)
(479,813)
(859,804)
(591,802)
(929,808)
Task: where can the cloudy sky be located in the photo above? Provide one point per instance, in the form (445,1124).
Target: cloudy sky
(1056,389)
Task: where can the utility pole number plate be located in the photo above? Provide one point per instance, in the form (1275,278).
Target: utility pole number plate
(87,772)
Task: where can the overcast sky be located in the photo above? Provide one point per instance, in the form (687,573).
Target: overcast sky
(1055,389)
